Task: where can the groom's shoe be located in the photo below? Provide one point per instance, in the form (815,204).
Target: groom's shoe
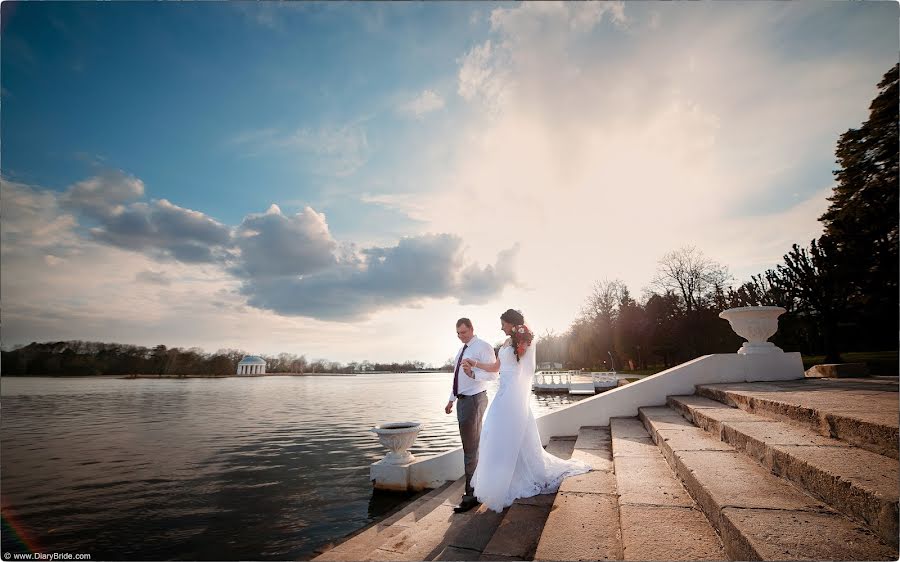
(466,504)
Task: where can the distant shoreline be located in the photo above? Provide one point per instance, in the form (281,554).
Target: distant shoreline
(234,376)
(171,376)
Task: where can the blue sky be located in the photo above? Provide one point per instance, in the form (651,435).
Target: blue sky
(426,160)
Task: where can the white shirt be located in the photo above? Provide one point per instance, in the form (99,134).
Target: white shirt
(480,351)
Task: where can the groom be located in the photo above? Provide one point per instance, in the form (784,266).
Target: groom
(470,388)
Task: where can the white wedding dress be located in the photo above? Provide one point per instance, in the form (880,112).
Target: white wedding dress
(512,463)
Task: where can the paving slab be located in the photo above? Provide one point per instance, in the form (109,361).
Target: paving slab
(519,532)
(561,446)
(762,534)
(540,500)
(598,459)
(592,438)
(649,481)
(709,414)
(718,479)
(668,533)
(688,439)
(593,482)
(666,417)
(627,427)
(581,527)
(634,447)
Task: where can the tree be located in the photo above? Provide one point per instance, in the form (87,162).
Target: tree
(691,275)
(862,220)
(815,285)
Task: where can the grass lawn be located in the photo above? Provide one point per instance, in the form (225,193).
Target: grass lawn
(878,362)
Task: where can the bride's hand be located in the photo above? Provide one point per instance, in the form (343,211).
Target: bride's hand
(469,362)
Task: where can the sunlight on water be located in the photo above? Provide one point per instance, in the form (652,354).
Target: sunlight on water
(235,468)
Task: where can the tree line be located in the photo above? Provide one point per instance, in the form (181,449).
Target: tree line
(95,358)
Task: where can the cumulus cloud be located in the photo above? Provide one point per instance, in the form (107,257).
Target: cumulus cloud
(272,244)
(426,102)
(103,196)
(33,219)
(166,230)
(114,216)
(417,268)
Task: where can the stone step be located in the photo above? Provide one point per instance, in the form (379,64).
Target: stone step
(758,515)
(583,523)
(864,412)
(517,536)
(659,519)
(854,481)
(430,536)
(359,545)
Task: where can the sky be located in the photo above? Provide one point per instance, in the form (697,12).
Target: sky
(344,180)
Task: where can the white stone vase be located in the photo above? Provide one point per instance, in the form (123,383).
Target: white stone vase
(756,324)
(398,437)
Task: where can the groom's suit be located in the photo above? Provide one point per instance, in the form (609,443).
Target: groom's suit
(472,402)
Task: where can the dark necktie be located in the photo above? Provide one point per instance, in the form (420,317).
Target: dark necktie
(456,373)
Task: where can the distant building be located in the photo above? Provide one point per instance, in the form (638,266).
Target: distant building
(251,365)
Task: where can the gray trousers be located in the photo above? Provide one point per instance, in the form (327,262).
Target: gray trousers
(469,414)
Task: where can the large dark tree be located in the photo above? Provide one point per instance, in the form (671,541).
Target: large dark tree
(862,219)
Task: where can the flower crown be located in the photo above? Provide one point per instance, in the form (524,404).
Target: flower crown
(521,339)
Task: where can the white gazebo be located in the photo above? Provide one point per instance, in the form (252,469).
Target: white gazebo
(251,365)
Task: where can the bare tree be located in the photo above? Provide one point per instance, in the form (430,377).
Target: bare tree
(691,275)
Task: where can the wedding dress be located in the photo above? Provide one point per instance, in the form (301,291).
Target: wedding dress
(512,463)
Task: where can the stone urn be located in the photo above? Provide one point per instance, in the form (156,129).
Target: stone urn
(756,324)
(398,437)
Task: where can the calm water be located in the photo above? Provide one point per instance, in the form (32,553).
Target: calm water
(255,468)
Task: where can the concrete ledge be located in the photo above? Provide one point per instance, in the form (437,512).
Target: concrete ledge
(837,371)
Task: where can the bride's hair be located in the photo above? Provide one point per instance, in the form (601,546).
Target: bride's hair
(513,317)
(521,336)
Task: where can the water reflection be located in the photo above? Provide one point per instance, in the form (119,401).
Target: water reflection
(203,469)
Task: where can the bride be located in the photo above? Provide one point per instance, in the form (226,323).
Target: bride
(513,463)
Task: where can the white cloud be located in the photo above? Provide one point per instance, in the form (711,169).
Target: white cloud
(33,220)
(424,103)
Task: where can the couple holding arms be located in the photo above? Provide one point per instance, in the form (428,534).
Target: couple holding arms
(504,458)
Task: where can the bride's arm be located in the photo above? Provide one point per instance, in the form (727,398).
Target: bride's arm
(492,367)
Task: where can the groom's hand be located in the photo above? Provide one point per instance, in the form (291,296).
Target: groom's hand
(448,408)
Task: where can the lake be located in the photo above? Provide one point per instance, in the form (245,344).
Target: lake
(259,468)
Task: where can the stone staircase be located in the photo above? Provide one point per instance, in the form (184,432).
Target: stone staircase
(802,469)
